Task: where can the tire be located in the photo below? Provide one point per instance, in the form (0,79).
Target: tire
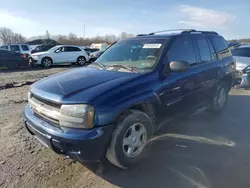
(31,63)
(130,140)
(12,65)
(81,61)
(47,62)
(219,99)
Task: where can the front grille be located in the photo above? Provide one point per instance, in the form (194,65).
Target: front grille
(56,105)
(45,110)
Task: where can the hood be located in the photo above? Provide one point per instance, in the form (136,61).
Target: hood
(241,62)
(39,53)
(79,85)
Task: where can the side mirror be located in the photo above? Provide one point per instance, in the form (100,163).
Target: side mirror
(179,66)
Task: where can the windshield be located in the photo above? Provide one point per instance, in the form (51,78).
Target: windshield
(135,53)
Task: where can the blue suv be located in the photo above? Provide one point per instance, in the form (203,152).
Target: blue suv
(113,107)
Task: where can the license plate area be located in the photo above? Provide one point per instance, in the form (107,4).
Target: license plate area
(41,137)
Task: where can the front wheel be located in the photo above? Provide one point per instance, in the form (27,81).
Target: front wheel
(130,139)
(81,61)
(46,62)
(219,99)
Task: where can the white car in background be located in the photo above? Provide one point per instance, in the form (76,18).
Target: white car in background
(61,54)
(241,55)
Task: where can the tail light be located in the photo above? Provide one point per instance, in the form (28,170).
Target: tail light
(23,56)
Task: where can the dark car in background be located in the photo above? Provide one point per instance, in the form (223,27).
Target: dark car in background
(12,60)
(90,50)
(42,48)
(94,56)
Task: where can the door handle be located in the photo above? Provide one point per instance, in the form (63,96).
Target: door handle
(176,88)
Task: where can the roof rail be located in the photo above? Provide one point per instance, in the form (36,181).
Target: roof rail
(182,31)
(139,35)
(204,32)
(165,31)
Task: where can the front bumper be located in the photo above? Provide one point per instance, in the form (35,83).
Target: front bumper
(92,59)
(34,61)
(80,145)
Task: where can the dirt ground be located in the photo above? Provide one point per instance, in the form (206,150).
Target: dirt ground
(200,151)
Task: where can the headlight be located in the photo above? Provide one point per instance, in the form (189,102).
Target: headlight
(77,116)
(93,55)
(35,56)
(29,95)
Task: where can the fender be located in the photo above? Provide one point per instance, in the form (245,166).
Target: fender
(149,99)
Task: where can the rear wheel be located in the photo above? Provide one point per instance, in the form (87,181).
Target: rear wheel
(81,61)
(130,139)
(219,99)
(47,62)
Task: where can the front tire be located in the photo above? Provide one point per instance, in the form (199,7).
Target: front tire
(81,61)
(47,62)
(129,142)
(219,100)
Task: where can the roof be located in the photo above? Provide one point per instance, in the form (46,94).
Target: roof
(61,45)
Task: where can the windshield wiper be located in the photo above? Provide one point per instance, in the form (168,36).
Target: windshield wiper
(99,64)
(124,66)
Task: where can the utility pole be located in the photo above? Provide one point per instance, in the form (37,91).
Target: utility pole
(84,31)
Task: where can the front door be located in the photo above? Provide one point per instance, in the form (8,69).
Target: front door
(180,90)
(60,56)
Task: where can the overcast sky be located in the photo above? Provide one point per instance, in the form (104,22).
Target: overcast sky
(31,17)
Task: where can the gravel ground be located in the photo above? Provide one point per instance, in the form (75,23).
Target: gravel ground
(199,151)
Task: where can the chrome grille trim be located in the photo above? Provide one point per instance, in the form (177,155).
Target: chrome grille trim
(50,113)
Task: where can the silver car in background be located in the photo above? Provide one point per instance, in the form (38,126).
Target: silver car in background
(242,59)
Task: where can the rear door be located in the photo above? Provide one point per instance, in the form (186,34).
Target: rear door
(180,89)
(73,53)
(7,57)
(208,65)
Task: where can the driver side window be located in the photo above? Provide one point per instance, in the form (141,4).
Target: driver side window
(61,49)
(182,49)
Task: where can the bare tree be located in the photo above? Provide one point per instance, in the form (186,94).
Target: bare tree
(7,36)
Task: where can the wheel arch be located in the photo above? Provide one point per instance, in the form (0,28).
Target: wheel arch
(81,56)
(228,78)
(48,58)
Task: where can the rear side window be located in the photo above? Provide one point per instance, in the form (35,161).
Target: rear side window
(212,51)
(203,48)
(72,49)
(221,46)
(182,49)
(242,52)
(5,47)
(25,47)
(15,48)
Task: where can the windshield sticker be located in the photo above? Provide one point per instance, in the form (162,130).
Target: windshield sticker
(152,46)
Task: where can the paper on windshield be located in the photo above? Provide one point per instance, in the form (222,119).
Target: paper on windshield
(151,46)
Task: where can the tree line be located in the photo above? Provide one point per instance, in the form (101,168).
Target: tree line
(7,36)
